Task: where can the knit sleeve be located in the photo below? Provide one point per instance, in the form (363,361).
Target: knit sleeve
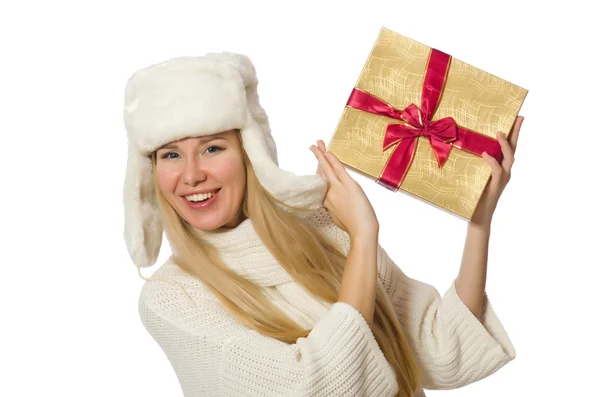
(214,355)
(451,345)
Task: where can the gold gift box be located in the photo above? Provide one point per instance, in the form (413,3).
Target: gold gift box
(476,100)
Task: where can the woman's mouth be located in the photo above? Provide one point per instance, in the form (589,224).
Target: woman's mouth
(202,204)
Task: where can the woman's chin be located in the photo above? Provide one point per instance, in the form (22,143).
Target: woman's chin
(206,224)
(210,221)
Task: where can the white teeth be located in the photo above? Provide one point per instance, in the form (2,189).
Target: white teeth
(200,197)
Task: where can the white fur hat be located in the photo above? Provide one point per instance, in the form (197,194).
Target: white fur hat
(190,97)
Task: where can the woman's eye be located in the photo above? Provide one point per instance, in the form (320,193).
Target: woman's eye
(164,156)
(215,147)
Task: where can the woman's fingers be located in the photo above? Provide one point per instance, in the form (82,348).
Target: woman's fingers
(336,164)
(494,165)
(507,152)
(321,145)
(325,168)
(319,172)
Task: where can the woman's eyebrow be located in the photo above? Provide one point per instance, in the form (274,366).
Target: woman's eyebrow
(174,145)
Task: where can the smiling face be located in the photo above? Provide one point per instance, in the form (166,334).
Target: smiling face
(204,164)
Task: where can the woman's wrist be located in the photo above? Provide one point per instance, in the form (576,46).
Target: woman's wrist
(366,235)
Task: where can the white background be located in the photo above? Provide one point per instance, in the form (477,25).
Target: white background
(68,290)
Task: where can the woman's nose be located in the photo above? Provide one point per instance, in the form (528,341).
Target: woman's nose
(193,173)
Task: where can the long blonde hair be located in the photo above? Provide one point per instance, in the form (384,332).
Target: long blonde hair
(310,258)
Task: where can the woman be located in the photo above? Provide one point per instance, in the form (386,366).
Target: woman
(277,284)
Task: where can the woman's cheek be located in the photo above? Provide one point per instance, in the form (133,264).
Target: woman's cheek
(167,177)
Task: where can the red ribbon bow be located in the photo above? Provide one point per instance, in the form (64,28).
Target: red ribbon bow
(442,134)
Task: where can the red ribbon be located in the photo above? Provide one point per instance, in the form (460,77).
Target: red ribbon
(442,134)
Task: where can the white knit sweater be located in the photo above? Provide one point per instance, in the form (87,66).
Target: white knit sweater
(214,355)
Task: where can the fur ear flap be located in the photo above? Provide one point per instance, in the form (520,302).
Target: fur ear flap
(143,224)
(306,191)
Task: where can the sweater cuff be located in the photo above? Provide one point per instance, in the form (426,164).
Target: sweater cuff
(488,334)
(381,371)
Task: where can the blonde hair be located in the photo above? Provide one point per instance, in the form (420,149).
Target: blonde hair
(309,257)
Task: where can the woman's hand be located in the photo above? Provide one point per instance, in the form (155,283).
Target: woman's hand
(500,176)
(345,200)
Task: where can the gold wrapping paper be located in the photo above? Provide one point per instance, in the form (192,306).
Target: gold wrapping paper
(477,100)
